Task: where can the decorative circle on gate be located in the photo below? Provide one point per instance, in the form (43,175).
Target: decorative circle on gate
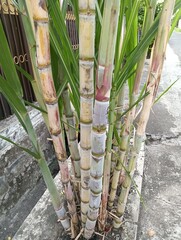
(20,59)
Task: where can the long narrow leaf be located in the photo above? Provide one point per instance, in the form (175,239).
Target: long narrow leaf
(31,153)
(26,74)
(35,107)
(165,91)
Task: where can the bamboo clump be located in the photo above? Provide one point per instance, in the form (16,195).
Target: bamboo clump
(154,76)
(104,160)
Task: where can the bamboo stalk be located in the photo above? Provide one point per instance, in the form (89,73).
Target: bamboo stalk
(70,126)
(26,15)
(86,69)
(149,16)
(121,95)
(125,135)
(56,198)
(156,66)
(126,128)
(40,16)
(103,84)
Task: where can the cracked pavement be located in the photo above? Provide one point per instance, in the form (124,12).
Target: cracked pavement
(160,214)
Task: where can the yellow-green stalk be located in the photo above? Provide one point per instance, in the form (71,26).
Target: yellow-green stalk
(125,132)
(121,95)
(103,87)
(86,69)
(70,126)
(40,17)
(156,65)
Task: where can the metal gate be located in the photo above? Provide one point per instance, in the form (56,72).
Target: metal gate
(14,31)
(18,46)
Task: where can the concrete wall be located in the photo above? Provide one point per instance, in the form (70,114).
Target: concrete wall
(19,173)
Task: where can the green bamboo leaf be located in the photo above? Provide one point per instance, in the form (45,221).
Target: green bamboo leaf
(61,44)
(165,91)
(6,62)
(134,104)
(99,13)
(136,55)
(31,153)
(75,6)
(25,73)
(116,135)
(76,129)
(61,88)
(175,21)
(64,7)
(141,47)
(61,31)
(35,107)
(132,16)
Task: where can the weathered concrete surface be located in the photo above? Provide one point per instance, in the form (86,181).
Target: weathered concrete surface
(160,216)
(19,173)
(130,225)
(42,223)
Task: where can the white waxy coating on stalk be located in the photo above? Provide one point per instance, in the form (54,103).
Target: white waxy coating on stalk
(100,113)
(85,154)
(100,76)
(85,175)
(97,167)
(98,143)
(86,4)
(96,186)
(85,136)
(87,110)
(85,197)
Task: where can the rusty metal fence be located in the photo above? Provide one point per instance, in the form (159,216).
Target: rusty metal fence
(18,46)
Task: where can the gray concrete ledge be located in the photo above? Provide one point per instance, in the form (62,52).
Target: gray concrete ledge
(41,223)
(130,226)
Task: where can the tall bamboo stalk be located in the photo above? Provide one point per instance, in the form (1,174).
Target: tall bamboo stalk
(70,126)
(26,15)
(40,16)
(125,132)
(86,68)
(56,198)
(156,66)
(103,86)
(71,133)
(121,95)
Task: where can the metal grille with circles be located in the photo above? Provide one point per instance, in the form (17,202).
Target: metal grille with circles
(18,46)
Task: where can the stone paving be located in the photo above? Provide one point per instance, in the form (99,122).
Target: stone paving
(160,215)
